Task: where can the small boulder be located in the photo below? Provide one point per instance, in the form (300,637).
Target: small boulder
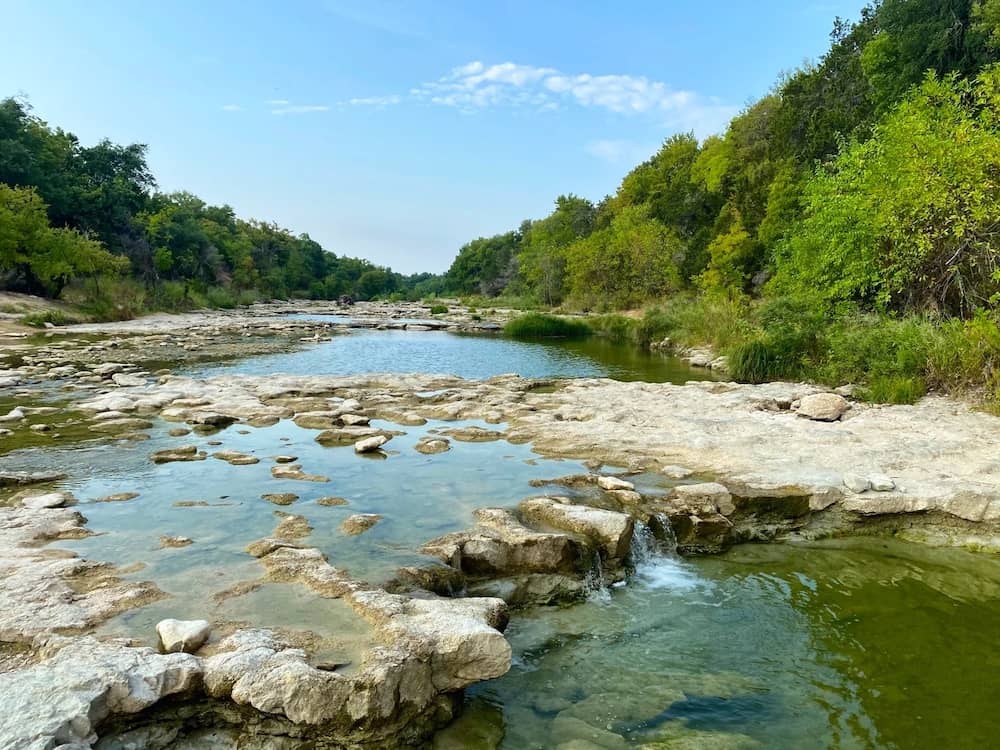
(856,483)
(823,407)
(614,483)
(169,542)
(370,445)
(881,483)
(185,636)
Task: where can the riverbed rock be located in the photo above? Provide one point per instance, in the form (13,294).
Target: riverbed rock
(174,542)
(292,527)
(44,500)
(127,380)
(294,471)
(359,523)
(704,497)
(881,482)
(118,497)
(236,458)
(499,544)
(856,483)
(430,445)
(610,529)
(182,636)
(178,453)
(331,502)
(610,483)
(60,701)
(473,434)
(371,444)
(280,498)
(823,407)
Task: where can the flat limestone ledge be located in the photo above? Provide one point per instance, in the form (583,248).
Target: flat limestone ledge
(938,455)
(45,590)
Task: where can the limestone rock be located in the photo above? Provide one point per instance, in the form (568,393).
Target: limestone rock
(39,501)
(705,497)
(185,636)
(611,530)
(881,483)
(500,545)
(294,471)
(856,483)
(430,445)
(823,407)
(614,483)
(370,445)
(179,453)
(60,701)
(359,523)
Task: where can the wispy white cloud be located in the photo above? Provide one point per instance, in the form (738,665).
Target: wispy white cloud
(379,102)
(300,109)
(277,102)
(475,86)
(232,108)
(618,151)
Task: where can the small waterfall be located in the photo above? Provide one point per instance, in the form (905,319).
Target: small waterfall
(668,539)
(597,589)
(644,545)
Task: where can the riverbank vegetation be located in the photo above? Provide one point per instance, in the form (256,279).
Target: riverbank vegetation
(87,225)
(844,228)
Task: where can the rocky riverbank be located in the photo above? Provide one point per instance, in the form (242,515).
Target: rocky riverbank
(743,463)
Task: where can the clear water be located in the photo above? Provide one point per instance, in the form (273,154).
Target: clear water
(465,355)
(843,644)
(866,643)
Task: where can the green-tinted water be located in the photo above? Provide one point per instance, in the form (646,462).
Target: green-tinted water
(843,644)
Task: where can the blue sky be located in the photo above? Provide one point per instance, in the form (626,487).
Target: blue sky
(398,131)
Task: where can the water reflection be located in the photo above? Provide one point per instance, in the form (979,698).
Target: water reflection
(465,355)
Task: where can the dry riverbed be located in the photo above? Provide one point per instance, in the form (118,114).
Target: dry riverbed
(745,463)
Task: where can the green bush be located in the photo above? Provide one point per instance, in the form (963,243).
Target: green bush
(894,389)
(55,317)
(766,358)
(106,298)
(542,326)
(439,309)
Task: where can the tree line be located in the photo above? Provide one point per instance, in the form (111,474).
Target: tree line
(75,215)
(868,179)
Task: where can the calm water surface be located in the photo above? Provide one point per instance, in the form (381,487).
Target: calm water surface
(465,355)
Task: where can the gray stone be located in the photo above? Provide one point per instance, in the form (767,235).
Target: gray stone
(182,635)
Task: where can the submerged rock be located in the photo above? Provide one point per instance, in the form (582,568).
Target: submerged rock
(187,636)
(294,471)
(175,541)
(179,453)
(280,498)
(430,446)
(359,523)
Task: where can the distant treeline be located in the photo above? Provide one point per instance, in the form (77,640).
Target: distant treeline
(87,221)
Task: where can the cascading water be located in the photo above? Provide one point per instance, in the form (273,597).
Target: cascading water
(655,559)
(597,589)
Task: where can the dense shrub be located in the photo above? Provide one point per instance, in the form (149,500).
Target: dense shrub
(541,326)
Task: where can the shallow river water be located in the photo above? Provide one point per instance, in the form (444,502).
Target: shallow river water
(856,643)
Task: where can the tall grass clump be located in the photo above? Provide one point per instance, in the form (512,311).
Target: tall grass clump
(107,298)
(543,326)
